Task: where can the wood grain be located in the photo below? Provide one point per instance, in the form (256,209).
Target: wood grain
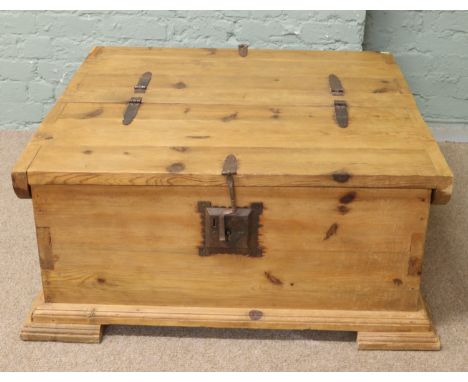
(19,173)
(345,209)
(19,176)
(58,332)
(145,165)
(124,245)
(273,109)
(44,244)
(274,318)
(229,124)
(33,331)
(427,340)
(377,330)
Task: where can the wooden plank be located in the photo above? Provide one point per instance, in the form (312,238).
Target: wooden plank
(295,128)
(180,83)
(192,112)
(126,52)
(377,330)
(19,177)
(136,207)
(110,247)
(90,334)
(235,65)
(314,91)
(286,82)
(374,79)
(145,165)
(61,332)
(173,125)
(391,321)
(427,340)
(80,285)
(443,193)
(261,97)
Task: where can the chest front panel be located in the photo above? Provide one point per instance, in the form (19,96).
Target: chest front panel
(321,248)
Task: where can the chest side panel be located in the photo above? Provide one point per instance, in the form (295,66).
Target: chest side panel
(323,248)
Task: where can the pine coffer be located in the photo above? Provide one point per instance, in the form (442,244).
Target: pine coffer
(233,188)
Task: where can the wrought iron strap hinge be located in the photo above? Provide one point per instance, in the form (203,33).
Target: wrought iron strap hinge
(142,84)
(341,107)
(135,102)
(341,113)
(336,87)
(132,110)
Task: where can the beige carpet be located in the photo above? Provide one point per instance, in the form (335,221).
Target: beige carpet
(445,284)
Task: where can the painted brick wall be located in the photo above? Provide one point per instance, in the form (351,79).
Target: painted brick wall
(432,50)
(39,51)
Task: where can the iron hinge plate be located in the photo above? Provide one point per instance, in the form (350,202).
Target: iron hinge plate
(336,87)
(341,113)
(135,102)
(132,110)
(143,83)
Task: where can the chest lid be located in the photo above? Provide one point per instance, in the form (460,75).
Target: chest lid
(160,116)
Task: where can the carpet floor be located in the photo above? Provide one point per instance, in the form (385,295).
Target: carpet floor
(131,348)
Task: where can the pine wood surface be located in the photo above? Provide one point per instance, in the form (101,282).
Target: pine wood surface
(428,340)
(96,314)
(61,332)
(128,245)
(273,109)
(345,209)
(377,330)
(34,330)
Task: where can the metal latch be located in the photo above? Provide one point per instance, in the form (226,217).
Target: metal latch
(229,170)
(243,50)
(232,230)
(336,87)
(132,110)
(341,113)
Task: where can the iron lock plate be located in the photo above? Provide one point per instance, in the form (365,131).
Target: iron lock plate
(233,229)
(230,232)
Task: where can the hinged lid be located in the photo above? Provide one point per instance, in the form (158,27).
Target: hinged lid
(291,118)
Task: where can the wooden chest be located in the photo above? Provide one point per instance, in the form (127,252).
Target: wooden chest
(233,188)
